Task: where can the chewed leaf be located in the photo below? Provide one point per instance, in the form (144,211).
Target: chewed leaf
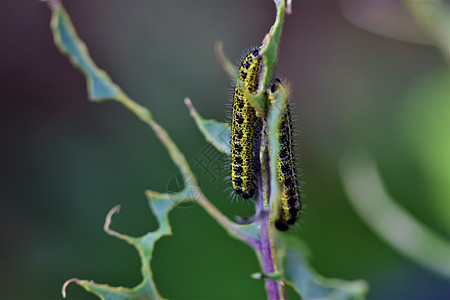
(306,282)
(100,85)
(216,133)
(104,291)
(161,205)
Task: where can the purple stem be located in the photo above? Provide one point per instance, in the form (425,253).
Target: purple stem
(265,247)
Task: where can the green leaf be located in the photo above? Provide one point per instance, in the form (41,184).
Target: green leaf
(100,85)
(305,280)
(104,291)
(269,52)
(216,133)
(161,205)
(276,111)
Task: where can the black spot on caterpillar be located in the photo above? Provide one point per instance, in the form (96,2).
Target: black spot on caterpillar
(244,128)
(290,195)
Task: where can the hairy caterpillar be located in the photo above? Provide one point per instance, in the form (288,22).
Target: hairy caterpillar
(290,195)
(244,127)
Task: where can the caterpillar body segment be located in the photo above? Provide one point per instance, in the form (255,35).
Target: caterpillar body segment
(244,127)
(290,204)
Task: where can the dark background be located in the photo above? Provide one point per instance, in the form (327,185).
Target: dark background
(65,162)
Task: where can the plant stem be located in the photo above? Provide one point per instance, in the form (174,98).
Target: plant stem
(266,256)
(267,248)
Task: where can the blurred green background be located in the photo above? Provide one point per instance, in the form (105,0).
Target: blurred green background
(66,162)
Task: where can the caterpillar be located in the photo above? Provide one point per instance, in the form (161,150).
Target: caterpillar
(244,127)
(290,204)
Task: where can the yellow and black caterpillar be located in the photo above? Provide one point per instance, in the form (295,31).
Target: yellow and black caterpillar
(244,128)
(290,195)
(245,131)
